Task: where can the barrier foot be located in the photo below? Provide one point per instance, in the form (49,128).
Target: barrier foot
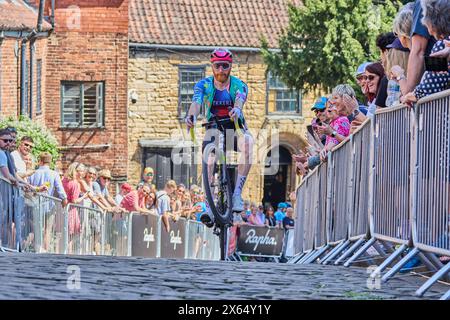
(379,249)
(430,266)
(327,256)
(305,257)
(295,258)
(319,252)
(388,261)
(350,250)
(396,268)
(361,250)
(337,251)
(427,285)
(446,296)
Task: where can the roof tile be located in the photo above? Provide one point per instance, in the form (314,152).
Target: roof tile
(17,15)
(208,23)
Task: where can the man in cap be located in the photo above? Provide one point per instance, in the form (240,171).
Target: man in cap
(101,190)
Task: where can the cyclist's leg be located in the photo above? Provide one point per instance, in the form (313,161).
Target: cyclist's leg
(245,146)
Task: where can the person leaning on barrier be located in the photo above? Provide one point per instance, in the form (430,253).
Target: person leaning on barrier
(101,191)
(436,15)
(163,202)
(135,200)
(48,177)
(23,158)
(253,218)
(270,218)
(5,140)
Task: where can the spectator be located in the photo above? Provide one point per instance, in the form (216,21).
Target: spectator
(5,141)
(247,207)
(383,41)
(101,190)
(438,26)
(421,42)
(397,63)
(23,157)
(151,202)
(288,220)
(199,206)
(281,213)
(343,98)
(147,177)
(87,186)
(361,78)
(48,177)
(444,53)
(376,87)
(183,201)
(125,188)
(163,202)
(319,109)
(336,132)
(135,200)
(270,219)
(254,218)
(71,183)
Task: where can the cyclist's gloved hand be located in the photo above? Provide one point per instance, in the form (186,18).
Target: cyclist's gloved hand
(190,121)
(236,113)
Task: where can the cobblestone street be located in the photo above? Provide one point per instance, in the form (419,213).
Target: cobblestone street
(31,276)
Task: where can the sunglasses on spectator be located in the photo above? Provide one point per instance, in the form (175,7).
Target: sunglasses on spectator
(7,140)
(224,65)
(369,77)
(317,111)
(149,174)
(28,145)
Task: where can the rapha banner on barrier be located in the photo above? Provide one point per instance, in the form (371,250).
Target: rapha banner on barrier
(173,243)
(145,232)
(260,241)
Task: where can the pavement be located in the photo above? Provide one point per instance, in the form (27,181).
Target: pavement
(55,277)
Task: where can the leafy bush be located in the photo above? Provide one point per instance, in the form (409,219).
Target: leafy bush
(44,141)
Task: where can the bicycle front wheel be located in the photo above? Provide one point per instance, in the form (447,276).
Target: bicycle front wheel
(217,184)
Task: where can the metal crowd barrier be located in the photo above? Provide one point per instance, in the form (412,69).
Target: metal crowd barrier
(7,227)
(86,230)
(195,235)
(431,183)
(117,231)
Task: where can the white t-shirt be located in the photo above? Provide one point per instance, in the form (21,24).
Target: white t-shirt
(21,166)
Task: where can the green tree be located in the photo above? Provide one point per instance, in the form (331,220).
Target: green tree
(44,141)
(326,40)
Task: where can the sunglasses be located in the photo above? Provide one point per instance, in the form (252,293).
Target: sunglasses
(28,145)
(7,140)
(369,77)
(224,65)
(317,111)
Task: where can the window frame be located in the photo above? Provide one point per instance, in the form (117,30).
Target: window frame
(100,105)
(183,68)
(285,89)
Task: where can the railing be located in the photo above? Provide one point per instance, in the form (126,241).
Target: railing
(388,184)
(38,223)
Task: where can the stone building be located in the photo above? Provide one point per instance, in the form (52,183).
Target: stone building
(170,43)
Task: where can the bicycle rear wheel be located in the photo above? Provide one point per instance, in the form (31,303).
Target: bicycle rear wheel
(217,184)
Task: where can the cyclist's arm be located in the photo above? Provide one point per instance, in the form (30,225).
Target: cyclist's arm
(241,96)
(197,98)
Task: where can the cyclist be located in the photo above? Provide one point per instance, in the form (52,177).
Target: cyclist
(223,96)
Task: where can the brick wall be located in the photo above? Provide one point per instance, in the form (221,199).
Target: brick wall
(155,114)
(11,73)
(96,50)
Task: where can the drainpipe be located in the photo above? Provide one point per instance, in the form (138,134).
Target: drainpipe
(23,54)
(32,53)
(52,19)
(41,15)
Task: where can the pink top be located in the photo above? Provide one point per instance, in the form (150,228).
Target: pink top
(254,220)
(129,200)
(72,189)
(342,126)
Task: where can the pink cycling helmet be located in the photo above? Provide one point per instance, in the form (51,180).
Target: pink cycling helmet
(221,54)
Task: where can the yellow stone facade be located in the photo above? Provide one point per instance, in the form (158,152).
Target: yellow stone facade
(153,77)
